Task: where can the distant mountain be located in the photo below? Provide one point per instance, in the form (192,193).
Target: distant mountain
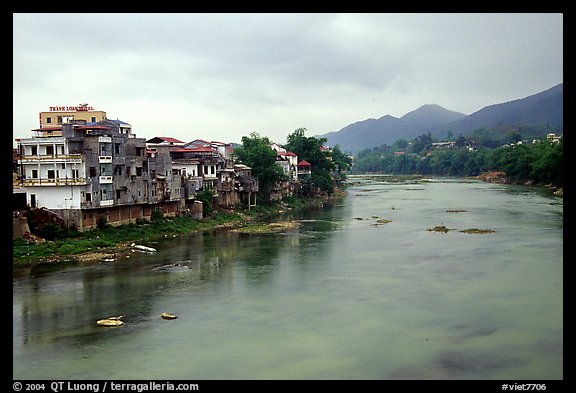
(387,129)
(545,108)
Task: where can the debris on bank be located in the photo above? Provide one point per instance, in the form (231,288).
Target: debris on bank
(140,247)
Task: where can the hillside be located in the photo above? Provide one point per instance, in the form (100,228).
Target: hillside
(544,108)
(387,129)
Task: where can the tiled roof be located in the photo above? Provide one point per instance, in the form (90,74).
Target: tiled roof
(195,150)
(118,121)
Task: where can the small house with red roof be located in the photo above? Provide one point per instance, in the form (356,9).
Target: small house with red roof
(304,168)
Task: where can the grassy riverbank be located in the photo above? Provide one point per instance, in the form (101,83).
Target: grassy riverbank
(106,241)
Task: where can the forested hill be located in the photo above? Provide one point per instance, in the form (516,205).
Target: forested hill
(387,129)
(544,110)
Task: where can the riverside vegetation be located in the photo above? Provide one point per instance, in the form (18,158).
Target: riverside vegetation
(105,240)
(480,152)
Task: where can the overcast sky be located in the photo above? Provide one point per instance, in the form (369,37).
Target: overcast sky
(223,76)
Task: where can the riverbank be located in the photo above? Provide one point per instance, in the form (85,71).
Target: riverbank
(501,178)
(104,244)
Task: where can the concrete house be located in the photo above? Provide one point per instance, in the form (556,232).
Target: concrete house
(89,172)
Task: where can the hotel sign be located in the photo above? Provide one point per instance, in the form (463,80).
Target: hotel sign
(81,107)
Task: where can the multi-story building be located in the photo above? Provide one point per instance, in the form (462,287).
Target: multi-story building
(59,115)
(88,172)
(87,169)
(208,166)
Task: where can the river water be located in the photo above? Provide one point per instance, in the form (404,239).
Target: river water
(341,296)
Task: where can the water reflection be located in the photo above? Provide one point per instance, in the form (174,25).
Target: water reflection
(60,301)
(336,297)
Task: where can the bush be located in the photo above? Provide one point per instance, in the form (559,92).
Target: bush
(102,223)
(157,216)
(206,197)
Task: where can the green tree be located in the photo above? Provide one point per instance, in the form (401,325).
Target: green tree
(548,162)
(256,153)
(310,149)
(207,199)
(422,144)
(341,159)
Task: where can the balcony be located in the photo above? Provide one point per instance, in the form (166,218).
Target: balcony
(53,182)
(48,159)
(105,179)
(107,202)
(105,159)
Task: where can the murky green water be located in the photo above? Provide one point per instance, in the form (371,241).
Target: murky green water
(337,298)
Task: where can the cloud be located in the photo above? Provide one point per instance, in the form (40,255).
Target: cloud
(230,74)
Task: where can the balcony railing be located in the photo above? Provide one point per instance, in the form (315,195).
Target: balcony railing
(61,158)
(53,182)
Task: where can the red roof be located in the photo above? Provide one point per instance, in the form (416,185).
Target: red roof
(195,150)
(304,163)
(169,139)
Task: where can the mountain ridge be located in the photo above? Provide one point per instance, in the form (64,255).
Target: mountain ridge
(543,108)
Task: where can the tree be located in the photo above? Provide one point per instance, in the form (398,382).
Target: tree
(256,153)
(548,162)
(310,149)
(422,144)
(207,199)
(341,159)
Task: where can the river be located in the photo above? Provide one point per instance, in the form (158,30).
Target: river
(341,296)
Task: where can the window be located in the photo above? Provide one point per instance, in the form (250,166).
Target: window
(50,150)
(117,170)
(138,171)
(33,150)
(49,120)
(92,171)
(34,173)
(116,148)
(51,174)
(93,119)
